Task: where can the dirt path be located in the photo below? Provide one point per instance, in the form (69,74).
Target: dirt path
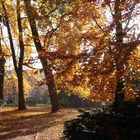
(33,124)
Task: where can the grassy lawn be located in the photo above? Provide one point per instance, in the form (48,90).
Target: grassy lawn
(35,123)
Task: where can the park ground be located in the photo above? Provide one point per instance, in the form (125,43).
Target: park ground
(35,123)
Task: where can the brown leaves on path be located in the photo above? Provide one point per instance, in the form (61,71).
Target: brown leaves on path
(33,124)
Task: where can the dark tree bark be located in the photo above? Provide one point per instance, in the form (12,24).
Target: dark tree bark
(21,101)
(21,59)
(17,65)
(119,93)
(47,70)
(2,70)
(51,88)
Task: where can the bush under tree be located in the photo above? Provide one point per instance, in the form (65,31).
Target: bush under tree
(106,124)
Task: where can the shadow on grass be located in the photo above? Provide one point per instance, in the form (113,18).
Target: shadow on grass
(31,124)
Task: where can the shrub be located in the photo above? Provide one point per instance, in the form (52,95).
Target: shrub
(106,124)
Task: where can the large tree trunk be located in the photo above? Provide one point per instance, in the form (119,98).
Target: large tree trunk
(119,93)
(47,70)
(21,101)
(51,87)
(20,63)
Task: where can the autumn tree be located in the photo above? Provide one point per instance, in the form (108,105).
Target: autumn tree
(110,43)
(77,43)
(81,44)
(122,14)
(18,64)
(120,45)
(53,12)
(47,70)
